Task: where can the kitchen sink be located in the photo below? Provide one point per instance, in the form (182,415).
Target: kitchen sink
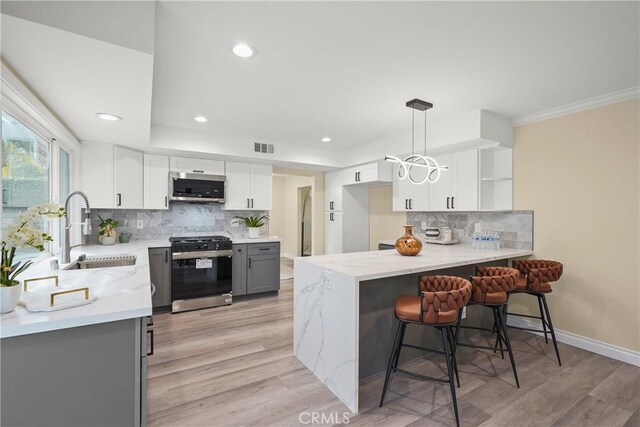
(102,261)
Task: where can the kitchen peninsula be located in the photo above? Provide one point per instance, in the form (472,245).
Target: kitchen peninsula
(343,307)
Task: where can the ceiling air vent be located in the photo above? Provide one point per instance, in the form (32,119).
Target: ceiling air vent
(263,148)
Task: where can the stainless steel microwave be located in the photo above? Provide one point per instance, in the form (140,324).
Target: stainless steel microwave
(196,187)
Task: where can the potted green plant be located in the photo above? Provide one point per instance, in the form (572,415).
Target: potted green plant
(23,233)
(253,224)
(107,230)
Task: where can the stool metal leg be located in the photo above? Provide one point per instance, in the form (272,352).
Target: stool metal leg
(553,332)
(445,343)
(452,345)
(499,337)
(542,317)
(395,350)
(502,324)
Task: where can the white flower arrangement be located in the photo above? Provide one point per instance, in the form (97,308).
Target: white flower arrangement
(24,233)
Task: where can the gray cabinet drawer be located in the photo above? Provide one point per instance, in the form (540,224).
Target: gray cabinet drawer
(264,248)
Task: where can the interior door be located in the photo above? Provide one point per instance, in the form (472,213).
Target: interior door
(440,191)
(465,180)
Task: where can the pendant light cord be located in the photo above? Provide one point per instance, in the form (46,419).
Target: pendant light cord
(425,132)
(413,131)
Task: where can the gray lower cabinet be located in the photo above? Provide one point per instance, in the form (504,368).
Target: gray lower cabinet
(239,270)
(160,270)
(92,375)
(383,247)
(256,268)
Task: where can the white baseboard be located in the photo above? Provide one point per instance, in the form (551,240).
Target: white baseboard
(609,350)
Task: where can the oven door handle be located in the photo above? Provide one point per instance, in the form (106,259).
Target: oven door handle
(202,254)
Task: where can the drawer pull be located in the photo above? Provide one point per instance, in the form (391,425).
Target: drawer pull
(26,282)
(55,294)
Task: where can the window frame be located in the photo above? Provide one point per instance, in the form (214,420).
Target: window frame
(25,106)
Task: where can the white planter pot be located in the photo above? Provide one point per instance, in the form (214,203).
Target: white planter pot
(9,297)
(108,240)
(254,232)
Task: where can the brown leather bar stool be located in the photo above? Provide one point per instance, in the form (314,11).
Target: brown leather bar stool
(535,279)
(439,305)
(490,288)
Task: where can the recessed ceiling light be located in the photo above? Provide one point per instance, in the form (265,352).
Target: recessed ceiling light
(108,117)
(326,139)
(200,119)
(243,50)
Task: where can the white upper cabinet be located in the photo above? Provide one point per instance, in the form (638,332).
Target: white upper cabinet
(262,185)
(96,174)
(111,176)
(408,196)
(333,191)
(249,187)
(457,188)
(128,179)
(370,174)
(191,165)
(156,181)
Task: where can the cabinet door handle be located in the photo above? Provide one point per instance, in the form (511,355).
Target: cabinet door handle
(166,201)
(119,199)
(248,203)
(330,205)
(197,171)
(166,256)
(406,204)
(249,262)
(150,332)
(452,198)
(410,203)
(252,203)
(448,202)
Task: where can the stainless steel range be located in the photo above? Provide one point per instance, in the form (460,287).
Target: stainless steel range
(200,272)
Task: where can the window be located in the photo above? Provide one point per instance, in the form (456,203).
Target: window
(26,161)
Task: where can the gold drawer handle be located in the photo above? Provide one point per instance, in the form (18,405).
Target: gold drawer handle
(55,279)
(55,294)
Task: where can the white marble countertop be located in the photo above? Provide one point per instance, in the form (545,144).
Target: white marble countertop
(122,292)
(380,264)
(265,239)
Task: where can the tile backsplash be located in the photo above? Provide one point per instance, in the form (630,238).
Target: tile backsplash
(181,219)
(515,227)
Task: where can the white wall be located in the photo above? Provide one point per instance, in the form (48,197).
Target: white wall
(284,216)
(580,175)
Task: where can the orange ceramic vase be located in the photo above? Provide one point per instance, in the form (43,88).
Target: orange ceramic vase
(408,244)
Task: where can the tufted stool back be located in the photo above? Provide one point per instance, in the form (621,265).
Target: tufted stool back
(491,284)
(537,274)
(442,297)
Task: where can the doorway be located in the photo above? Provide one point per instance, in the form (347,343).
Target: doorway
(305,220)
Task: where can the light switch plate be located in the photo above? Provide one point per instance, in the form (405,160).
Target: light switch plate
(140,224)
(424,225)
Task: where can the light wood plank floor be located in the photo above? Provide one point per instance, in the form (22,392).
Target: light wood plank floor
(233,366)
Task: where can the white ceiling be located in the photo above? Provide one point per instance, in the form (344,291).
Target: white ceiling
(338,69)
(78,76)
(346,69)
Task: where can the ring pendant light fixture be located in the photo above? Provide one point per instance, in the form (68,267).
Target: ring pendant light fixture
(405,166)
